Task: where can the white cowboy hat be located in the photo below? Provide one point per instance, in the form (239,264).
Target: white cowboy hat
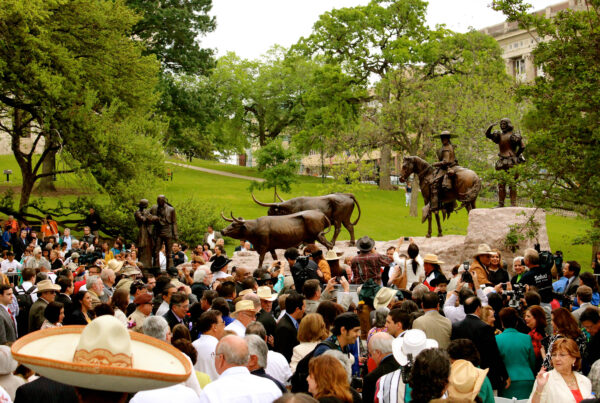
(243,305)
(484,249)
(103,355)
(46,285)
(411,344)
(115,265)
(264,292)
(246,291)
(465,380)
(383,297)
(433,259)
(333,255)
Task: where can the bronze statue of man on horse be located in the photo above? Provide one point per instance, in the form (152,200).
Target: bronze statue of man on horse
(443,183)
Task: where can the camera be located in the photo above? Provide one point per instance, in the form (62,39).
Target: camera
(406,238)
(517,293)
(302,261)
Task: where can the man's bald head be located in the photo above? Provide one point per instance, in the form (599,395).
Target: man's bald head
(231,351)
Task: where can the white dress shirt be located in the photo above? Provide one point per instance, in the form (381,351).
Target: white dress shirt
(162,309)
(205,346)
(238,385)
(238,327)
(10,267)
(457,313)
(278,367)
(26,286)
(177,393)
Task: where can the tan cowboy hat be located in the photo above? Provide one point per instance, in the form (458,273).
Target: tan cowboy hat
(243,305)
(484,249)
(465,380)
(131,271)
(115,265)
(246,291)
(433,259)
(383,297)
(264,292)
(46,285)
(103,355)
(333,255)
(407,348)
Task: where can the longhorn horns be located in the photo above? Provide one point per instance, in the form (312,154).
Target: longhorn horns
(261,203)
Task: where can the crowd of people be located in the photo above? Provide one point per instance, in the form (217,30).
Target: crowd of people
(316,326)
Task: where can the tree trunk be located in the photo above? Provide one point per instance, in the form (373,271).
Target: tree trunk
(47,182)
(595,243)
(384,171)
(414,197)
(28,182)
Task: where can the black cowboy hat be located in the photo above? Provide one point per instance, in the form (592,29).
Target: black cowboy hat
(219,263)
(365,244)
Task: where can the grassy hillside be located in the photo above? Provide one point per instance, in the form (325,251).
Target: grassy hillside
(383,213)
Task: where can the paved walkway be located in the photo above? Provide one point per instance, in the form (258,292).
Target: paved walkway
(215,172)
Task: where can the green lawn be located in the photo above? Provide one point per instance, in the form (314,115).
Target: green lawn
(383,213)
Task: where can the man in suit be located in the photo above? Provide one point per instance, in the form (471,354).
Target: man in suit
(8,324)
(380,350)
(432,323)
(179,306)
(584,298)
(571,271)
(265,315)
(20,244)
(64,297)
(286,331)
(46,292)
(47,391)
(482,335)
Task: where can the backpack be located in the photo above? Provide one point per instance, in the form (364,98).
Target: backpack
(302,271)
(25,302)
(298,379)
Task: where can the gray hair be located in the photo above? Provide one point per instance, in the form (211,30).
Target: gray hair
(156,326)
(257,347)
(419,291)
(380,316)
(532,256)
(200,273)
(254,298)
(233,355)
(105,274)
(518,258)
(37,250)
(256,328)
(381,342)
(344,359)
(91,281)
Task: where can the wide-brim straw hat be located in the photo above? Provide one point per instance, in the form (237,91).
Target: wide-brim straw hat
(103,355)
(365,244)
(411,344)
(465,380)
(433,259)
(131,271)
(264,292)
(383,297)
(333,255)
(46,285)
(484,249)
(243,305)
(115,265)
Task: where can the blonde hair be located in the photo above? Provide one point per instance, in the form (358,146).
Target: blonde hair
(486,312)
(312,328)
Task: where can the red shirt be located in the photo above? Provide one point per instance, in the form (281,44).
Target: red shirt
(368,265)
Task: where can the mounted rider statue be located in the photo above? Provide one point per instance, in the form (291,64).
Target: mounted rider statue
(442,178)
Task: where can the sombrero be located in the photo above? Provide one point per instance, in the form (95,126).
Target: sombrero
(103,355)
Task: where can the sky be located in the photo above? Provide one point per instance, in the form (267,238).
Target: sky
(250,27)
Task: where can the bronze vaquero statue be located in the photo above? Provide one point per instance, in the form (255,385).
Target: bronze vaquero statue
(511,153)
(165,229)
(442,181)
(279,232)
(145,239)
(465,188)
(338,207)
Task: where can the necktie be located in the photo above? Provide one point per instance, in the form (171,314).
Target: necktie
(13,320)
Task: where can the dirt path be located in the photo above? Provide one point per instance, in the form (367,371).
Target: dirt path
(215,172)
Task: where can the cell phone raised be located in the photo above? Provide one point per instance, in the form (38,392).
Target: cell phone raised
(406,238)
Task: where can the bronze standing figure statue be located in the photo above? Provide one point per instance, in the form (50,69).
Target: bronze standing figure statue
(442,181)
(165,229)
(145,242)
(511,153)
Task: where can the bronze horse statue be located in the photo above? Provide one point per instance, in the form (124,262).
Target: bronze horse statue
(465,188)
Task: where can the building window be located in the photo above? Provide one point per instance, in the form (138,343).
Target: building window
(519,68)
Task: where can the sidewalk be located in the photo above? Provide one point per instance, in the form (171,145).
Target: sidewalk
(215,172)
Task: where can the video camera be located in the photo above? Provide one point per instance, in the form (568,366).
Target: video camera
(517,293)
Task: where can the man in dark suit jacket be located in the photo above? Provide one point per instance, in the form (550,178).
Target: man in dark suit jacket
(20,244)
(64,296)
(8,326)
(286,331)
(380,349)
(571,271)
(47,391)
(179,307)
(482,335)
